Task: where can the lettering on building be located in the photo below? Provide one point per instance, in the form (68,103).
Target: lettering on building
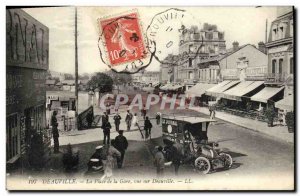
(26,40)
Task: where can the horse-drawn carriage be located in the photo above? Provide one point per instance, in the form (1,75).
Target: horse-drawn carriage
(189,136)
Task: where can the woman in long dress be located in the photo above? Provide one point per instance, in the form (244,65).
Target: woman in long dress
(111,154)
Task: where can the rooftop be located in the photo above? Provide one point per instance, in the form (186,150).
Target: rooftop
(189,119)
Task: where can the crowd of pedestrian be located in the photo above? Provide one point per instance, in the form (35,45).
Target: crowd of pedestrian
(105,156)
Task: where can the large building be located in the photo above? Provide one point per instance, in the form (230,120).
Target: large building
(27,60)
(146,78)
(197,45)
(241,65)
(280,49)
(281,64)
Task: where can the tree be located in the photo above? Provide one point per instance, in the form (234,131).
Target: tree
(289,119)
(270,115)
(69,76)
(100,81)
(83,77)
(120,78)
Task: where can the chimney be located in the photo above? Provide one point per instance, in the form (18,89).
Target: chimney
(235,46)
(262,47)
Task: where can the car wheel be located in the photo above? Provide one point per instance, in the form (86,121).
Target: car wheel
(227,160)
(202,164)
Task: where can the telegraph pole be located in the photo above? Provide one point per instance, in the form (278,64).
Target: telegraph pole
(76,71)
(266,35)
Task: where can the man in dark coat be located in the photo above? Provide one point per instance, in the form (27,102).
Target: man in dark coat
(157,117)
(144,112)
(106,132)
(105,118)
(117,119)
(147,127)
(55,133)
(128,120)
(121,145)
(172,154)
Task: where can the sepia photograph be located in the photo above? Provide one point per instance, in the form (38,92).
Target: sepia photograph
(150,98)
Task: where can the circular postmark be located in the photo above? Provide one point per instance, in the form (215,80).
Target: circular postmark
(167,34)
(122,45)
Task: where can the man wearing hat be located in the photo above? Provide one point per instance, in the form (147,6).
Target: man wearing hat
(159,161)
(121,145)
(106,132)
(55,133)
(128,119)
(173,153)
(117,119)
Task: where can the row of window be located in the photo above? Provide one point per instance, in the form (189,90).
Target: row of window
(280,66)
(279,30)
(12,136)
(35,117)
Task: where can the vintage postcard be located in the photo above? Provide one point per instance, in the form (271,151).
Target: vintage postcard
(150,98)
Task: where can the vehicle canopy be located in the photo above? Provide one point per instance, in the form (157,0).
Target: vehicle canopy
(181,128)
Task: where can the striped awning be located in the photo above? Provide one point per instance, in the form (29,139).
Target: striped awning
(217,91)
(164,87)
(266,93)
(216,87)
(199,89)
(243,88)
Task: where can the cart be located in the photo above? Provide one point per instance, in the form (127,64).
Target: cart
(189,136)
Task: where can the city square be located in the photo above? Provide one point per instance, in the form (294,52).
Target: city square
(217,115)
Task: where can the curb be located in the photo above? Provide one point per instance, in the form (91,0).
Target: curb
(251,129)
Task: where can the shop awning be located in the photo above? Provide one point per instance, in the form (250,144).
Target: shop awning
(154,84)
(241,89)
(265,94)
(175,87)
(164,87)
(286,103)
(199,89)
(148,89)
(216,92)
(216,87)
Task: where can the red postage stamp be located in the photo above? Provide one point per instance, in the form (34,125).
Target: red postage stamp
(122,38)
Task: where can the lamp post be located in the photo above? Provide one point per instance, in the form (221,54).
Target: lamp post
(118,83)
(76,71)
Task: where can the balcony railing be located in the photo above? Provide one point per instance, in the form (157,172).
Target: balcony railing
(275,77)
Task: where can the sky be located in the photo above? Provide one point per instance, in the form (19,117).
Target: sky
(243,24)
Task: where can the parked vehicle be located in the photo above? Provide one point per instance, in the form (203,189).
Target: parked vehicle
(190,133)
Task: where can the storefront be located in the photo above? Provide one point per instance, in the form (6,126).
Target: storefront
(272,94)
(63,102)
(198,91)
(217,90)
(26,70)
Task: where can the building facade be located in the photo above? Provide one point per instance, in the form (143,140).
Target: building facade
(244,63)
(281,64)
(280,49)
(197,45)
(150,77)
(27,48)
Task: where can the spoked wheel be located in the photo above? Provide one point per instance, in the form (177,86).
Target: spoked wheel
(202,164)
(227,160)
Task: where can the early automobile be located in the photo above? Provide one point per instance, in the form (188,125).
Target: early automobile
(189,136)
